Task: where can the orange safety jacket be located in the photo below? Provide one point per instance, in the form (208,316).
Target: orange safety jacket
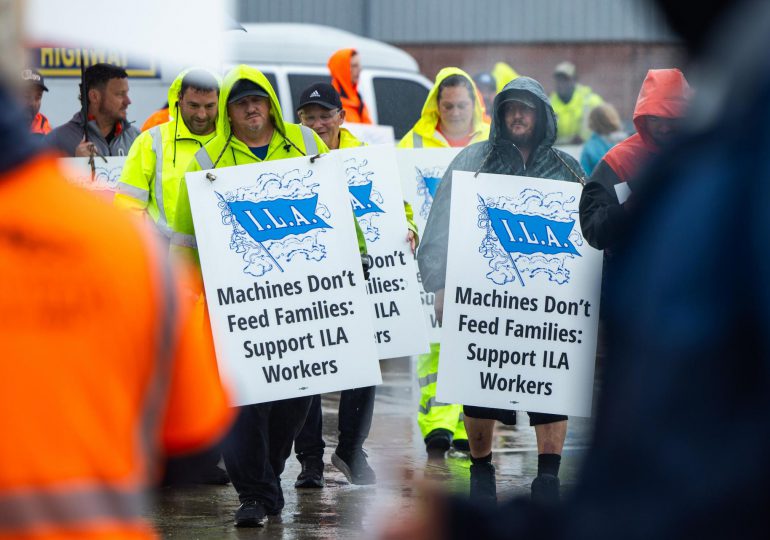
(101,369)
(157,118)
(40,125)
(339,67)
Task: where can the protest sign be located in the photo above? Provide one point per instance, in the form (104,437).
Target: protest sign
(283,279)
(371,133)
(421,171)
(102,178)
(375,194)
(521,307)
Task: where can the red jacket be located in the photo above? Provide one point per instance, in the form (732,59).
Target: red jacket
(664,93)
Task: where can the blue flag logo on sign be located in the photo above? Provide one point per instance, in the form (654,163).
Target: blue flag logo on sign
(431,183)
(530,235)
(361,199)
(520,233)
(276,219)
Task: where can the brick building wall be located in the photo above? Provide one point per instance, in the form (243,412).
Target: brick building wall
(613,70)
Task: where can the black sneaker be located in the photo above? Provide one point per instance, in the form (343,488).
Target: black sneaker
(545,489)
(355,468)
(437,442)
(483,485)
(461,445)
(250,514)
(312,475)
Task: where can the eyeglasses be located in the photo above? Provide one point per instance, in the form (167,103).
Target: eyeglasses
(324,118)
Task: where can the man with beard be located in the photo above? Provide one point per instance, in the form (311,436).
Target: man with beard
(107,132)
(520,143)
(159,158)
(32,99)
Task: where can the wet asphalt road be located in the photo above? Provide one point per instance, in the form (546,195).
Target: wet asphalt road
(397,454)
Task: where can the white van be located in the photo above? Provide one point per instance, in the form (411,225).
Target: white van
(292,56)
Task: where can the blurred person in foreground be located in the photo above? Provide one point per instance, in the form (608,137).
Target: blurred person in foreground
(101,371)
(520,143)
(107,130)
(573,103)
(606,132)
(32,90)
(345,69)
(682,431)
(660,107)
(452,117)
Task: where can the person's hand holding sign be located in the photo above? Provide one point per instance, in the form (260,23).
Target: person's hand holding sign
(438,305)
(85,149)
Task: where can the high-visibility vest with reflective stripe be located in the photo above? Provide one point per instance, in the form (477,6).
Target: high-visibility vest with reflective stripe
(154,169)
(97,359)
(573,115)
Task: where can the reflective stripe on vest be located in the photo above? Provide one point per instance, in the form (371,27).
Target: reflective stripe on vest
(168,330)
(204,160)
(432,402)
(430,378)
(134,192)
(184,240)
(416,140)
(157,147)
(69,507)
(311,147)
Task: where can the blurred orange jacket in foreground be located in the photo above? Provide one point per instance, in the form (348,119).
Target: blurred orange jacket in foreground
(100,372)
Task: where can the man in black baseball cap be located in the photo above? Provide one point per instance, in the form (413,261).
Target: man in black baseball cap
(246,88)
(320,109)
(32,95)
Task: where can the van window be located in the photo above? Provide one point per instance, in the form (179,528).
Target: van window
(298,82)
(271,79)
(399,103)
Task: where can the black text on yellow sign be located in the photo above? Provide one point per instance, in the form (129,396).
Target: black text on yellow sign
(63,62)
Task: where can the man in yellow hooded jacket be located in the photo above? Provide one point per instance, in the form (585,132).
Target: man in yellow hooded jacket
(252,131)
(159,157)
(452,116)
(572,103)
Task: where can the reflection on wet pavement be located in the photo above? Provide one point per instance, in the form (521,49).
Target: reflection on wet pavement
(397,454)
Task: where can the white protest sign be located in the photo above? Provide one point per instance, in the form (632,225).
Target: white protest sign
(375,193)
(103,178)
(521,308)
(421,171)
(284,285)
(372,133)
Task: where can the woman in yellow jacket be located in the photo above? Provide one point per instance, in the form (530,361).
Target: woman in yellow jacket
(452,116)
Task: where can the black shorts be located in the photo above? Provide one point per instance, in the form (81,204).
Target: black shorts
(509,417)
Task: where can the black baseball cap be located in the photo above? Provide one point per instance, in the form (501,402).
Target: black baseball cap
(32,76)
(244,88)
(522,96)
(322,94)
